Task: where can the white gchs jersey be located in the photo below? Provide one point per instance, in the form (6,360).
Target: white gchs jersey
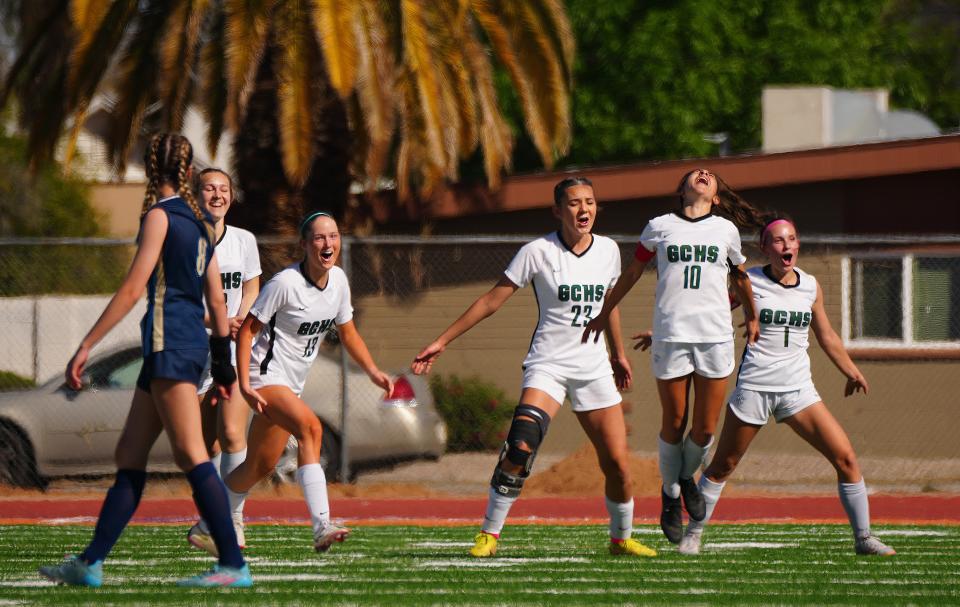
(693,261)
(570,289)
(239,262)
(296,314)
(778,361)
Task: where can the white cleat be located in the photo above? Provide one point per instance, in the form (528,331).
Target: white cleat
(201,538)
(326,537)
(871,545)
(690,543)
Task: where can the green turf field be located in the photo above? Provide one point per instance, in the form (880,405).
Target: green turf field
(544,565)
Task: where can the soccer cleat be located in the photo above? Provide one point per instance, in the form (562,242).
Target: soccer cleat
(871,545)
(220,577)
(690,543)
(693,500)
(199,538)
(671,517)
(75,572)
(485,545)
(324,538)
(630,547)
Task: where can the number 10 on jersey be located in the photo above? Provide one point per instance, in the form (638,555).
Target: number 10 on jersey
(691,277)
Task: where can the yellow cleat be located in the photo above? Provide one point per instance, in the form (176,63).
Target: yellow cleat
(631,547)
(485,546)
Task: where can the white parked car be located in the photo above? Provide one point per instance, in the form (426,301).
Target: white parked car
(54,431)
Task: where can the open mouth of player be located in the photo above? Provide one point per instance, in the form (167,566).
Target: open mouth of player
(326,254)
(583,221)
(787,258)
(702,179)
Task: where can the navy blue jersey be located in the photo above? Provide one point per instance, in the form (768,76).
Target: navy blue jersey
(174,318)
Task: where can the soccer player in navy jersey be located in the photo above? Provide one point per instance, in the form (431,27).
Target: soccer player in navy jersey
(176,265)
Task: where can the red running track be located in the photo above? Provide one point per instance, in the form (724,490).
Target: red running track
(359,511)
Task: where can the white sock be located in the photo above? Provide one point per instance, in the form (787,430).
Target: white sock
(671,461)
(313,482)
(498,506)
(621,519)
(693,456)
(711,495)
(853,496)
(236,500)
(230,461)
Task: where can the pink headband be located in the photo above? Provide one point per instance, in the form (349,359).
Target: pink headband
(770,225)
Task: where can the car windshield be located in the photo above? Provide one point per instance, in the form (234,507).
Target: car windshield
(116,370)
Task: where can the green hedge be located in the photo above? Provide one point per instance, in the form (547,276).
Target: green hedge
(477,412)
(12,381)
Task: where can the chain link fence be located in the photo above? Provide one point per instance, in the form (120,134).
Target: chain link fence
(895,301)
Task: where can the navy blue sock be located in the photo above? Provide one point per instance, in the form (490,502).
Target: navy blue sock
(211,498)
(117,509)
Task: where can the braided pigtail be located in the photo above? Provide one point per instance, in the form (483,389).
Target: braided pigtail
(151,164)
(184,157)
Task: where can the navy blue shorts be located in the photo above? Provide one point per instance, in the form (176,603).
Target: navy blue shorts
(178,365)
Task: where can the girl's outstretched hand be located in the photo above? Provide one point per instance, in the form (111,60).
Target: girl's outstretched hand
(423,361)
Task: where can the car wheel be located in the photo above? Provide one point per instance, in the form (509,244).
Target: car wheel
(286,469)
(18,466)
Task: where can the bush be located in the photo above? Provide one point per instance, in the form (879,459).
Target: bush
(12,381)
(476,411)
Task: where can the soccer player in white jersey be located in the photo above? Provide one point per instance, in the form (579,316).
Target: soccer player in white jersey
(225,422)
(570,270)
(276,346)
(775,380)
(696,250)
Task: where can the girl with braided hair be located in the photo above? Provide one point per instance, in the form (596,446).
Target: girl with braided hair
(697,248)
(175,263)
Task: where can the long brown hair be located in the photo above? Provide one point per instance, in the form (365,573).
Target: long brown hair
(732,206)
(167,160)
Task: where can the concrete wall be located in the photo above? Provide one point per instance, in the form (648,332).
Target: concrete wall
(62,322)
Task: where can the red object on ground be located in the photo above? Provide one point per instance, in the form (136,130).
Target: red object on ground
(426,511)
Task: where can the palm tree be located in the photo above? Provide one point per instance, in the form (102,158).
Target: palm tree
(318,93)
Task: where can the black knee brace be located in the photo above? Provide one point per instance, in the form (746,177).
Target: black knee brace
(522,432)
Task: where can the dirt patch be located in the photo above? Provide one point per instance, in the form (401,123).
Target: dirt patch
(579,474)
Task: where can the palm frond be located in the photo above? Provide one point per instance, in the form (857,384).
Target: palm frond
(561,34)
(296,53)
(247,28)
(178,53)
(422,68)
(90,62)
(542,65)
(518,38)
(495,138)
(138,70)
(375,84)
(213,81)
(456,73)
(335,23)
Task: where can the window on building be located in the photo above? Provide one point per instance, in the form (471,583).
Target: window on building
(906,301)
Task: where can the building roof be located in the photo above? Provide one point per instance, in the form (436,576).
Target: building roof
(657,179)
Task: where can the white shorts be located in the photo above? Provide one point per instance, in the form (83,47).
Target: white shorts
(584,394)
(206,381)
(672,359)
(755,407)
